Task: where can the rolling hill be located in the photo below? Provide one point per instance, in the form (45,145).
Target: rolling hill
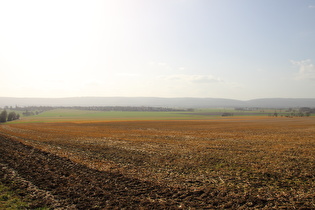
(159,102)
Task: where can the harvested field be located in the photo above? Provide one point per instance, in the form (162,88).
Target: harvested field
(240,162)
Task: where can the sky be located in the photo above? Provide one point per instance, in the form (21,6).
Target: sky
(240,49)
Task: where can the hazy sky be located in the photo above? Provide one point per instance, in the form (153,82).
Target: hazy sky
(240,49)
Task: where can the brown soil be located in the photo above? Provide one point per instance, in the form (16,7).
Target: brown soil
(250,163)
(73,186)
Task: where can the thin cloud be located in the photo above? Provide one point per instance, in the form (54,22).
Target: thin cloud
(92,84)
(311,6)
(193,78)
(127,75)
(306,70)
(205,79)
(162,64)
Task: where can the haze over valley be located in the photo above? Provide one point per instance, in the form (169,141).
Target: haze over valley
(159,102)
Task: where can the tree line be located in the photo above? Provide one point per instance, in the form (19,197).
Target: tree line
(4,116)
(35,110)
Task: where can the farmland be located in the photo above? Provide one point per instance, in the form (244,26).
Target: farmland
(171,160)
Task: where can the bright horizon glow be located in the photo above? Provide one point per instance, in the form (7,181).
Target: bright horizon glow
(150,48)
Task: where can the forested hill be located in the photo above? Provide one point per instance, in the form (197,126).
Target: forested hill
(159,102)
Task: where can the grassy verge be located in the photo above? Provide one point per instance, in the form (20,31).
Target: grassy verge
(10,200)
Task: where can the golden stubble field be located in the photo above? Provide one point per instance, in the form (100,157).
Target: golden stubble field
(266,158)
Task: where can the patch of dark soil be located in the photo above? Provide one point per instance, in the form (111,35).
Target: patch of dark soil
(61,183)
(76,185)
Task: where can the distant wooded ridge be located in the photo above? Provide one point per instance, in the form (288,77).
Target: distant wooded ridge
(159,102)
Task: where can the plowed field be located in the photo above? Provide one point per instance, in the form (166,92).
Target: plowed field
(238,163)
